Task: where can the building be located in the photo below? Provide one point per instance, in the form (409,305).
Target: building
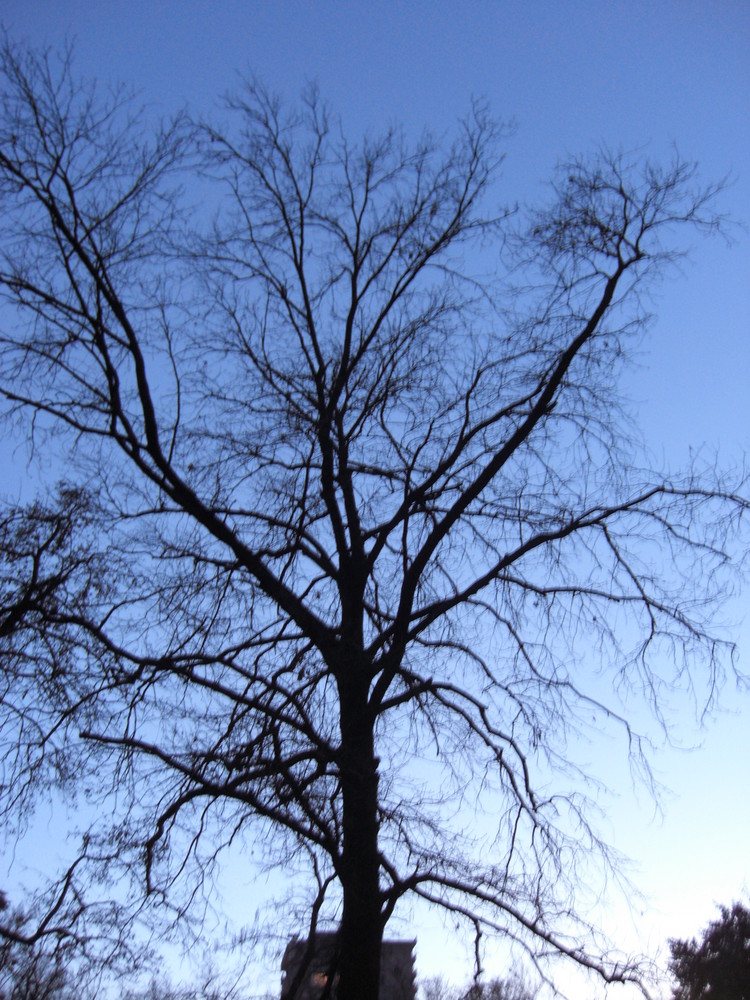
(397,978)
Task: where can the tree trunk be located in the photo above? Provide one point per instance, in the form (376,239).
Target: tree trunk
(361,922)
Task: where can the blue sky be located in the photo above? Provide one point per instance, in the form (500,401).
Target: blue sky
(571,75)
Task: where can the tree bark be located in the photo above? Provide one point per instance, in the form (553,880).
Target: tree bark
(361,922)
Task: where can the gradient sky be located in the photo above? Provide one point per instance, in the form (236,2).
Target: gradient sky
(571,75)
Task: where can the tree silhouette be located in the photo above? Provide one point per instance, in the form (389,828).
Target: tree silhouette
(28,970)
(513,987)
(357,497)
(719,964)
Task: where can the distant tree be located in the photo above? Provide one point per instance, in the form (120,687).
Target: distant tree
(47,579)
(28,972)
(513,987)
(436,988)
(717,966)
(58,951)
(163,989)
(354,494)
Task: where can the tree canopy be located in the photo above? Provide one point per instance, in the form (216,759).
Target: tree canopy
(353,509)
(719,964)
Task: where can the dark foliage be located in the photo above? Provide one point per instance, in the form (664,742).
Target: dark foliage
(717,966)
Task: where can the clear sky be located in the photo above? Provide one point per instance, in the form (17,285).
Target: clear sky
(571,74)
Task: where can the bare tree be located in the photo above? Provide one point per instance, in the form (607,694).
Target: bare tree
(513,987)
(45,944)
(48,578)
(360,495)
